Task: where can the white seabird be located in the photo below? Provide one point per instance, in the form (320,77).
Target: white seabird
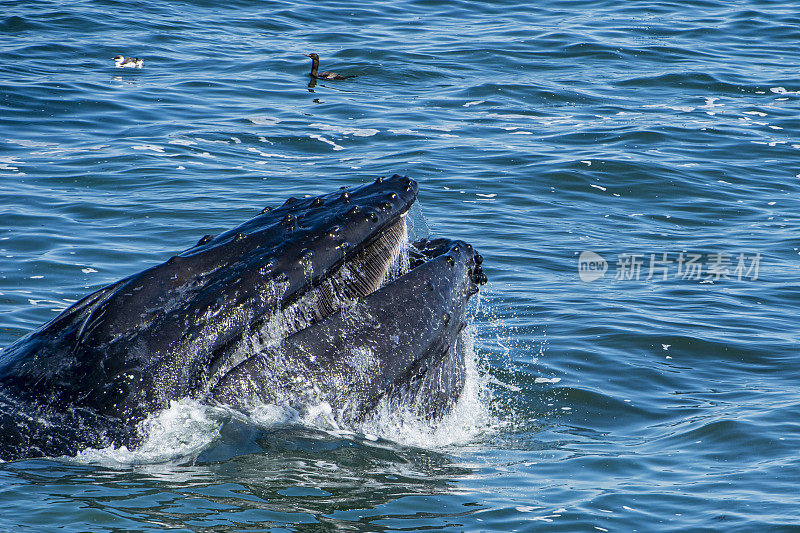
(133,62)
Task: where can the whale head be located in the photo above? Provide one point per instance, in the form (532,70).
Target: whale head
(320,299)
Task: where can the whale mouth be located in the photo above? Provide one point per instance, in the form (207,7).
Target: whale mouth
(377,263)
(365,271)
(386,325)
(370,266)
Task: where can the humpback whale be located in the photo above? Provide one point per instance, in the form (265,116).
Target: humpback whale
(322,299)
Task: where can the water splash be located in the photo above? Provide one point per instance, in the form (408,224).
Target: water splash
(174,434)
(180,433)
(469,417)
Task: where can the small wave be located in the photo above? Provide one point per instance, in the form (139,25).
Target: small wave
(15,24)
(684,80)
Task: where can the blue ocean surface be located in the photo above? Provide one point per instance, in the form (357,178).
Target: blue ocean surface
(630,172)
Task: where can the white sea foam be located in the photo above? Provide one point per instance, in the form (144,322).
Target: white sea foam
(327,141)
(183,430)
(546,380)
(268,154)
(188,427)
(7,163)
(355,132)
(182,142)
(264,120)
(213,141)
(148,147)
(782,90)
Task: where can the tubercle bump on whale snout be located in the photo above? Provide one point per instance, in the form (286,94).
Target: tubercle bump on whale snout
(454,253)
(467,253)
(402,184)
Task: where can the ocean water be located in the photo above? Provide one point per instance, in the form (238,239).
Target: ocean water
(629,170)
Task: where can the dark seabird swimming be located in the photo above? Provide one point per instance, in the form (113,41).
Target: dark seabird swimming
(325,74)
(132,62)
